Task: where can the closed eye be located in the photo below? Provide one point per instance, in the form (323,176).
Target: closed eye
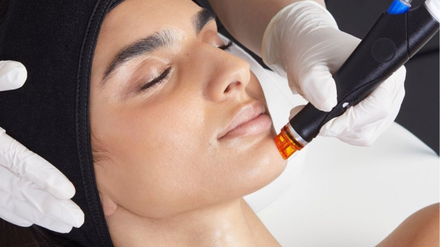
(164,75)
(156,81)
(226,46)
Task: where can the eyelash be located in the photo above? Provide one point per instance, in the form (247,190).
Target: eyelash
(164,75)
(157,80)
(226,47)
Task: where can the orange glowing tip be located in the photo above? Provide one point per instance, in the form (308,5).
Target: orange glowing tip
(286,143)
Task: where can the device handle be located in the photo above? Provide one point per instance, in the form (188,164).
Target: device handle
(389,44)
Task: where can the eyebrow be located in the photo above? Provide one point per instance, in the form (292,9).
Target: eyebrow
(153,42)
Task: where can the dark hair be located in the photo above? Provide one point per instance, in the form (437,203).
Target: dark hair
(34,236)
(14,236)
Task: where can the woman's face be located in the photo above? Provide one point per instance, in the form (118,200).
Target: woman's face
(165,105)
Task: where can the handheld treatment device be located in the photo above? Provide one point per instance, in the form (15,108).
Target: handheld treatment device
(395,37)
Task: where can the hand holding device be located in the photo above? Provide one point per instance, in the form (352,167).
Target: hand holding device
(395,37)
(32,191)
(303,43)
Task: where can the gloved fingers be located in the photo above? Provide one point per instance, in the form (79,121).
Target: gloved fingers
(49,213)
(65,211)
(364,135)
(13,218)
(360,137)
(367,135)
(367,112)
(23,162)
(357,130)
(47,176)
(54,225)
(381,104)
(389,94)
(318,87)
(12,75)
(48,223)
(30,202)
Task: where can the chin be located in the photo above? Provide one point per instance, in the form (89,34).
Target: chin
(268,164)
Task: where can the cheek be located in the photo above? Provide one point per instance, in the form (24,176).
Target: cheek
(255,90)
(158,163)
(164,160)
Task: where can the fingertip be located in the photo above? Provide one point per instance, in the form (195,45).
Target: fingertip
(331,96)
(324,102)
(66,230)
(72,214)
(48,177)
(12,75)
(58,227)
(400,76)
(63,189)
(378,105)
(52,224)
(79,217)
(321,92)
(329,103)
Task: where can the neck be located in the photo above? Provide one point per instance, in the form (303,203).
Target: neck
(228,224)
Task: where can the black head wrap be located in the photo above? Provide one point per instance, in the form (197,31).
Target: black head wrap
(55,40)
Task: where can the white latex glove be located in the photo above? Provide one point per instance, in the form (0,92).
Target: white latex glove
(32,191)
(303,43)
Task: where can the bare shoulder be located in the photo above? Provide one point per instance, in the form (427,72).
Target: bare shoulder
(421,229)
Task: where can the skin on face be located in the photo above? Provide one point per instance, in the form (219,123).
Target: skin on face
(158,149)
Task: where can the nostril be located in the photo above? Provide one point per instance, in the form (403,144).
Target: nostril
(231,86)
(227,89)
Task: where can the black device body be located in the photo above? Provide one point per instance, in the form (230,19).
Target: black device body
(389,44)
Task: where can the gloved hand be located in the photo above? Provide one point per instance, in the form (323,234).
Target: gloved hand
(32,191)
(303,43)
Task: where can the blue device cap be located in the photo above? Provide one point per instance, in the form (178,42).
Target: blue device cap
(399,7)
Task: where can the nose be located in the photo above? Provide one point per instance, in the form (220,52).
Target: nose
(228,78)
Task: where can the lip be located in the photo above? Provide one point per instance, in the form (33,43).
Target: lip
(249,120)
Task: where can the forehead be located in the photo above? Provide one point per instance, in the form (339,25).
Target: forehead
(135,19)
(154,12)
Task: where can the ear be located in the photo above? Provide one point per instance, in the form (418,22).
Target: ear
(108,205)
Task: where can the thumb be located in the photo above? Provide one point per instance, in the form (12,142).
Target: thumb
(319,88)
(12,75)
